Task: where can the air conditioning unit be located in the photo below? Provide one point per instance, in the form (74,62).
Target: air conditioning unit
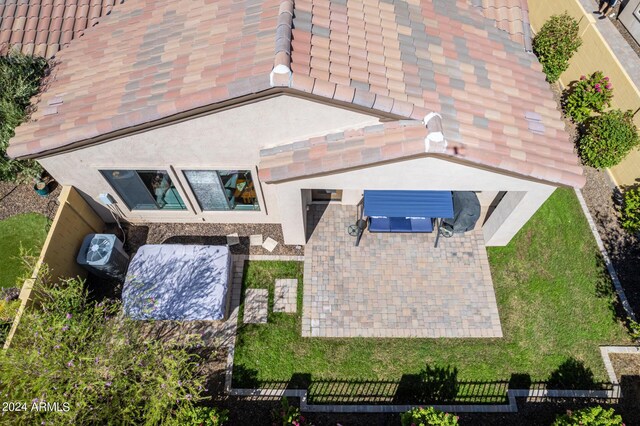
(104,256)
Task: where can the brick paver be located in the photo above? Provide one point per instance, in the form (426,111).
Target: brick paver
(394,285)
(256,305)
(285,296)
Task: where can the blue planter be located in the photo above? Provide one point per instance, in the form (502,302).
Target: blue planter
(43,192)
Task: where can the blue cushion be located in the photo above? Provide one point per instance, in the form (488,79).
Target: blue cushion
(400,224)
(422,225)
(379,224)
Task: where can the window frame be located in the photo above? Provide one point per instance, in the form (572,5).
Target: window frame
(257,207)
(193,199)
(146,168)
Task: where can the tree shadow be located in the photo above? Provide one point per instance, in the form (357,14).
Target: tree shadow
(245,378)
(520,381)
(438,384)
(572,374)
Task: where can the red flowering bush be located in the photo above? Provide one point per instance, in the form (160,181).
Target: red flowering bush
(588,95)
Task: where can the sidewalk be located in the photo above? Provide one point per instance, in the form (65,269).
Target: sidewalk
(620,47)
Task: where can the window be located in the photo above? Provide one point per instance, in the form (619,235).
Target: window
(145,189)
(223,189)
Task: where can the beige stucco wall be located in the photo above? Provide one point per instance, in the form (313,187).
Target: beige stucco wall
(595,55)
(226,140)
(419,174)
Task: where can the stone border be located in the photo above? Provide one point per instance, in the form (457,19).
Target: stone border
(512,394)
(603,251)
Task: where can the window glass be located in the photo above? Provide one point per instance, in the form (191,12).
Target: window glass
(145,189)
(208,189)
(223,189)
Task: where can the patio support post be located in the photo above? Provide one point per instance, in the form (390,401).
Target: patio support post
(513,211)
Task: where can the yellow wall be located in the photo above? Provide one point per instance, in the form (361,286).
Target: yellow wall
(73,221)
(595,55)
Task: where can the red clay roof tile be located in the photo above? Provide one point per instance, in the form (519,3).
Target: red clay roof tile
(407,60)
(57,22)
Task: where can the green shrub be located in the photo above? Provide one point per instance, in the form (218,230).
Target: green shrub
(20,77)
(95,364)
(288,415)
(588,95)
(608,139)
(634,329)
(8,309)
(555,43)
(631,210)
(203,416)
(428,417)
(592,416)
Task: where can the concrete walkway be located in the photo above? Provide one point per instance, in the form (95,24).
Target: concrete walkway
(625,54)
(394,285)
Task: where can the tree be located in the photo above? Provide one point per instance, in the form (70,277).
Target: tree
(93,366)
(20,78)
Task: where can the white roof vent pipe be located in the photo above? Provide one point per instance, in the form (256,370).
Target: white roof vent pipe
(435,141)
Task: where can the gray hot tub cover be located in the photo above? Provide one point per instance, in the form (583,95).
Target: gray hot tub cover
(177,282)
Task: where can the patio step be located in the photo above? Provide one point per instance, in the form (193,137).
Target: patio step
(285,297)
(256,306)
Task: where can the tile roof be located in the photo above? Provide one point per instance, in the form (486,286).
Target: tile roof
(352,148)
(148,60)
(393,141)
(43,27)
(398,58)
(511,16)
(412,57)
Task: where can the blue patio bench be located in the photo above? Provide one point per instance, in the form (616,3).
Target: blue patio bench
(400,224)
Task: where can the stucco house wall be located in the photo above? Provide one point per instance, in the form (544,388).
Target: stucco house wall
(232,139)
(421,174)
(225,140)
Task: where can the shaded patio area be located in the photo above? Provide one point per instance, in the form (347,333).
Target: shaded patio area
(394,285)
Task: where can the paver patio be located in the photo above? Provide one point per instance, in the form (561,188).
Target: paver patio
(285,295)
(394,285)
(256,306)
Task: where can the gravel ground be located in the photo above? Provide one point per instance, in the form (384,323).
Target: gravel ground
(623,248)
(209,233)
(17,199)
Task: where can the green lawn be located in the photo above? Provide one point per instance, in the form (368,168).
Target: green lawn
(552,302)
(27,230)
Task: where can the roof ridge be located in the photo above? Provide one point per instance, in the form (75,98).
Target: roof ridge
(282,60)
